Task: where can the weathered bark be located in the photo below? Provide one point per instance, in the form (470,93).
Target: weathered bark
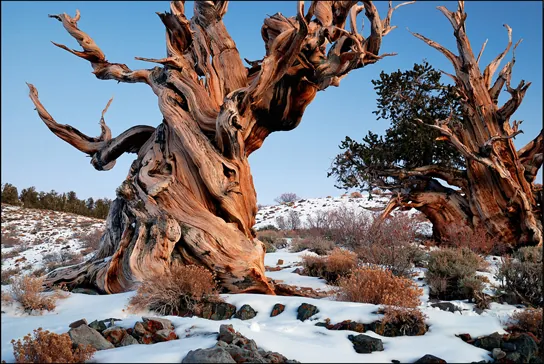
(497,188)
(189,195)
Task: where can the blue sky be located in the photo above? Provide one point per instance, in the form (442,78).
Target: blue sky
(295,161)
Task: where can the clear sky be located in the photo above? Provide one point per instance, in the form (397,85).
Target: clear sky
(295,161)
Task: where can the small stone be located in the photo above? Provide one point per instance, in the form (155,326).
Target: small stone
(246,312)
(280,262)
(430,359)
(506,346)
(114,334)
(498,354)
(446,306)
(85,335)
(128,340)
(465,337)
(218,311)
(154,324)
(212,355)
(98,325)
(164,335)
(364,344)
(226,333)
(277,309)
(394,361)
(77,323)
(305,311)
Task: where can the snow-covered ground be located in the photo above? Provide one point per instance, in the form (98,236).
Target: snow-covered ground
(285,334)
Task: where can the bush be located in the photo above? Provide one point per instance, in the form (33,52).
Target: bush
(91,240)
(528,320)
(8,274)
(10,240)
(182,290)
(399,321)
(522,274)
(355,195)
(317,244)
(451,273)
(272,240)
(380,287)
(28,291)
(478,239)
(48,347)
(338,263)
(389,243)
(286,197)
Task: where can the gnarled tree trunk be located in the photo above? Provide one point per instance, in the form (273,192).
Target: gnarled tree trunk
(189,195)
(497,188)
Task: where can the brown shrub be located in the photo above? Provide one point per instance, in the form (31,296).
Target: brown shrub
(380,287)
(478,240)
(182,290)
(355,195)
(11,254)
(272,239)
(528,320)
(338,263)
(390,243)
(316,244)
(451,273)
(522,274)
(399,321)
(48,347)
(91,241)
(28,291)
(8,274)
(10,239)
(7,298)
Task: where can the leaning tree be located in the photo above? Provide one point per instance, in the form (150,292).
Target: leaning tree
(468,144)
(189,195)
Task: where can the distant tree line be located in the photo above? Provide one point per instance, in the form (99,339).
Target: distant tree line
(65,202)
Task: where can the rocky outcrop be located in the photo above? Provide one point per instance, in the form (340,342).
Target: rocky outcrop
(232,347)
(85,335)
(508,348)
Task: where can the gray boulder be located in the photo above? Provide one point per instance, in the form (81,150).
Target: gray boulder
(128,340)
(364,344)
(213,355)
(85,335)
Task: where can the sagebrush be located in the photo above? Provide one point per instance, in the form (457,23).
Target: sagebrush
(182,290)
(399,321)
(528,320)
(48,347)
(338,263)
(522,274)
(29,292)
(317,244)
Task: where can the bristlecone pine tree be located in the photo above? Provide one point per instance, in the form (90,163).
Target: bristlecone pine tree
(189,195)
(468,143)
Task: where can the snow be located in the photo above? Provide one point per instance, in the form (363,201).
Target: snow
(285,334)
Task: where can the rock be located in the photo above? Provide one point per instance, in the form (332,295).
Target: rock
(218,311)
(513,357)
(241,355)
(277,309)
(246,312)
(85,335)
(364,344)
(139,330)
(98,325)
(164,335)
(506,346)
(213,355)
(478,310)
(280,262)
(465,337)
(226,333)
(77,323)
(394,361)
(154,324)
(498,354)
(526,347)
(146,339)
(114,334)
(85,291)
(446,306)
(298,271)
(305,311)
(128,340)
(491,342)
(430,359)
(109,322)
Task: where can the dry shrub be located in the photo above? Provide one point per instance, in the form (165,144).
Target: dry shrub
(8,274)
(528,320)
(380,287)
(7,298)
(355,195)
(91,240)
(338,263)
(28,291)
(451,273)
(272,240)
(522,274)
(389,243)
(316,244)
(478,240)
(11,254)
(182,290)
(398,321)
(48,347)
(10,239)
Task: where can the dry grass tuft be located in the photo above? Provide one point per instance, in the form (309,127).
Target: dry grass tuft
(338,263)
(28,291)
(316,244)
(180,291)
(48,347)
(405,321)
(380,287)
